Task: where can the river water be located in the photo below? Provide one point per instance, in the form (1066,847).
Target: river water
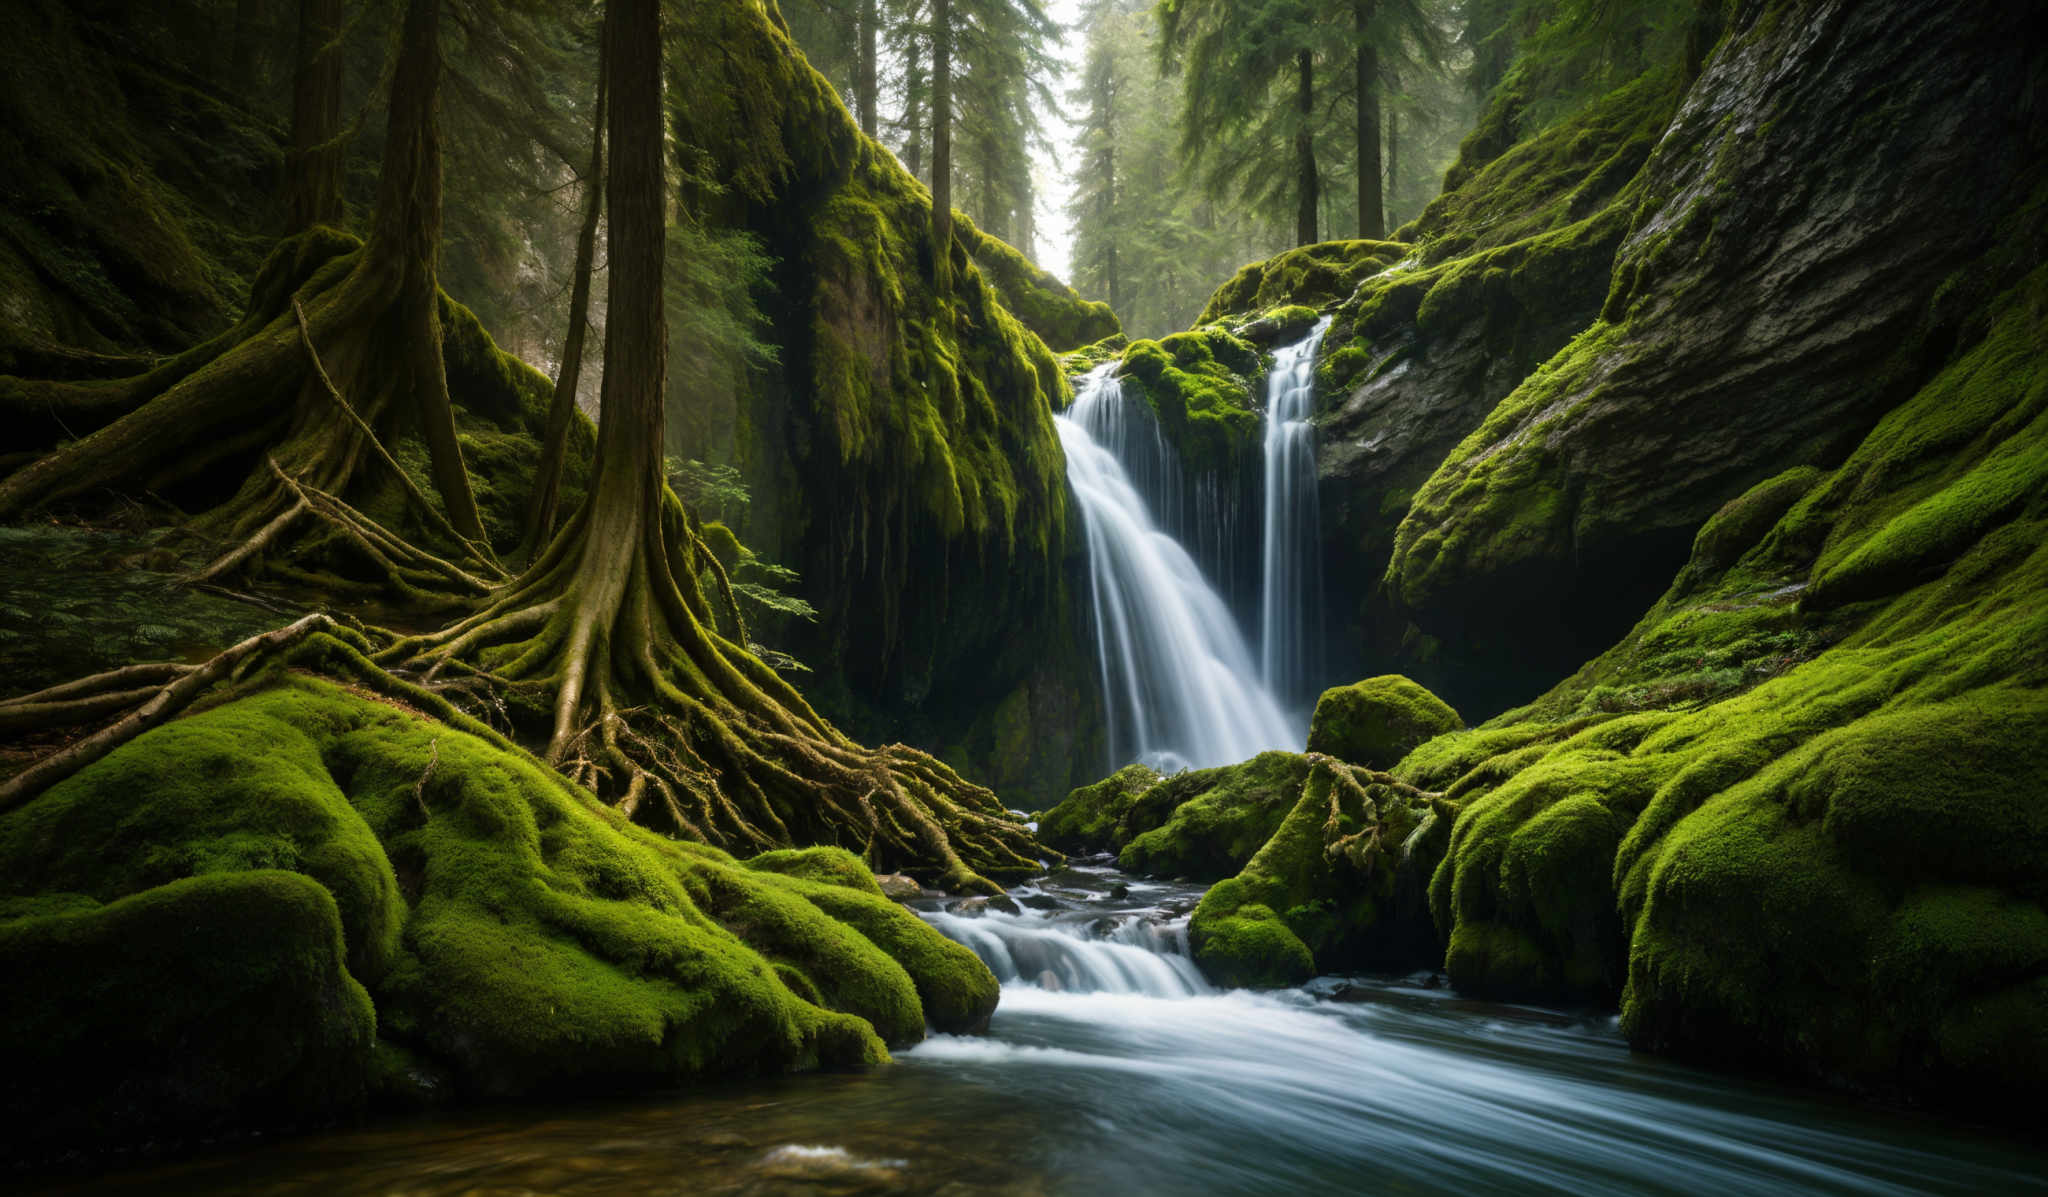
(1111,1068)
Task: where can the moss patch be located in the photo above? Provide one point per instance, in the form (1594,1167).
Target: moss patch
(512,933)
(1378,721)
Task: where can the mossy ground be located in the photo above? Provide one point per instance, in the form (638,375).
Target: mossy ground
(436,894)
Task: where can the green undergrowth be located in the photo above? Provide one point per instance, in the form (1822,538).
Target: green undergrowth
(425,896)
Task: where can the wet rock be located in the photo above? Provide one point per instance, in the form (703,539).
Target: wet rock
(900,887)
(1039,901)
(1103,928)
(979,905)
(1378,721)
(1119,891)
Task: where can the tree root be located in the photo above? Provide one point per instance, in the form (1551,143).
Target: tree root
(162,704)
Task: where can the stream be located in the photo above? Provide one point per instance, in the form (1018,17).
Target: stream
(1111,1067)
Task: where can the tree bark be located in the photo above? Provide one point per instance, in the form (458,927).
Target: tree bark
(1306,183)
(547,477)
(1372,217)
(1393,119)
(405,239)
(313,165)
(942,145)
(864,75)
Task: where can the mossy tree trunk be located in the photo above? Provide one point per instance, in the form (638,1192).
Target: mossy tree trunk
(313,165)
(547,476)
(352,332)
(651,706)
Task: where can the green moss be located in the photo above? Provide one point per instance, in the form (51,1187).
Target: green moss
(1311,276)
(1344,870)
(1044,304)
(1378,721)
(1201,385)
(1098,817)
(1214,819)
(513,934)
(205,1004)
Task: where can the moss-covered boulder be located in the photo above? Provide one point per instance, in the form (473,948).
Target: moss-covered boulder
(1202,386)
(424,894)
(1338,886)
(1044,304)
(1310,276)
(1202,823)
(1378,721)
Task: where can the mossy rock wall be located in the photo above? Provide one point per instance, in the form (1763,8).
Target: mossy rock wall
(1791,826)
(900,453)
(275,910)
(1798,259)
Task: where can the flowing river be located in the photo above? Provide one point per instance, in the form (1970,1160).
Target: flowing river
(1112,1068)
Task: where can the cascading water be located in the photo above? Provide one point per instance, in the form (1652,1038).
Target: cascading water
(1290,593)
(1178,677)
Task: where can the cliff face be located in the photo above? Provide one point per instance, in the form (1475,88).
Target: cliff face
(900,452)
(1796,815)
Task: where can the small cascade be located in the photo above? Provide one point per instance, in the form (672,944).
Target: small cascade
(1290,600)
(1136,955)
(1178,678)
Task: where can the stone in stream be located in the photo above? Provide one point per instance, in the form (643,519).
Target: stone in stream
(899,887)
(979,905)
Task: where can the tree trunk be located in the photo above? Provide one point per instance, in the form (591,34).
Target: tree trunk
(864,76)
(1306,183)
(547,476)
(242,57)
(942,145)
(405,239)
(314,163)
(1393,163)
(1372,217)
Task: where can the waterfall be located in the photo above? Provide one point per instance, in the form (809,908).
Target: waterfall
(1290,599)
(1178,678)
(1136,956)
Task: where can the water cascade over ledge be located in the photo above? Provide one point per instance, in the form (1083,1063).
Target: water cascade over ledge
(1290,595)
(1181,684)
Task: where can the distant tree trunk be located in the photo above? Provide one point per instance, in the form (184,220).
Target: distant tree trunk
(913,122)
(242,55)
(1372,217)
(1306,183)
(547,476)
(864,77)
(942,145)
(406,238)
(314,163)
(1393,163)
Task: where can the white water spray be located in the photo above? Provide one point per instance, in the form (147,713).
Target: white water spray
(1179,680)
(1290,598)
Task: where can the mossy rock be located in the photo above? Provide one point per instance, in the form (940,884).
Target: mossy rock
(1338,886)
(1309,276)
(514,935)
(1378,721)
(200,1006)
(1218,818)
(1202,387)
(1098,817)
